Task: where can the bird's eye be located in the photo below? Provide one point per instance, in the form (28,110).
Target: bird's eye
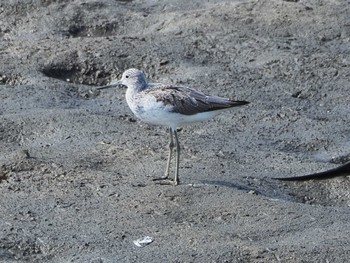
(127,76)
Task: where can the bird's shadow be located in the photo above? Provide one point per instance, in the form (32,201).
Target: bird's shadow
(312,188)
(235,185)
(263,187)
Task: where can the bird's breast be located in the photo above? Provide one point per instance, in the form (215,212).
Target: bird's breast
(146,107)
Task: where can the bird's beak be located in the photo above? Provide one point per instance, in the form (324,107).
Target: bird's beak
(113,84)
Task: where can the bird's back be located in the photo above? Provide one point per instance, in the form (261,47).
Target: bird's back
(188,101)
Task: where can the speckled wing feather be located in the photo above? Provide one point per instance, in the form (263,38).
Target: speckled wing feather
(188,101)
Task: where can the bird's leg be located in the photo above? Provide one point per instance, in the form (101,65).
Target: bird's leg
(171,147)
(176,179)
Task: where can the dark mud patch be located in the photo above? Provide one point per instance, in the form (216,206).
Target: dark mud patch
(87,74)
(3,174)
(104,30)
(6,79)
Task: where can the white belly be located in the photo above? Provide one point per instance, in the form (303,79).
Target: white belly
(155,112)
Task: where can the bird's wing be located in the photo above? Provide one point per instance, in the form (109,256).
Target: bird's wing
(188,101)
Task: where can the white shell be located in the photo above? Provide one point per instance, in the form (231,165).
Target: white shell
(144,241)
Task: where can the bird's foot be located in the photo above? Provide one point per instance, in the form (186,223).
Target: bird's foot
(165,181)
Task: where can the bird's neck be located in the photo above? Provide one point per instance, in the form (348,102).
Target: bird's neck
(139,85)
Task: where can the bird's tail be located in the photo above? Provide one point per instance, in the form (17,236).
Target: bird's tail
(219,103)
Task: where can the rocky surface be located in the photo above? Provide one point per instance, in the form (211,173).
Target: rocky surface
(76,167)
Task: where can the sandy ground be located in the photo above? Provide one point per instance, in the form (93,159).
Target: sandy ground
(76,167)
